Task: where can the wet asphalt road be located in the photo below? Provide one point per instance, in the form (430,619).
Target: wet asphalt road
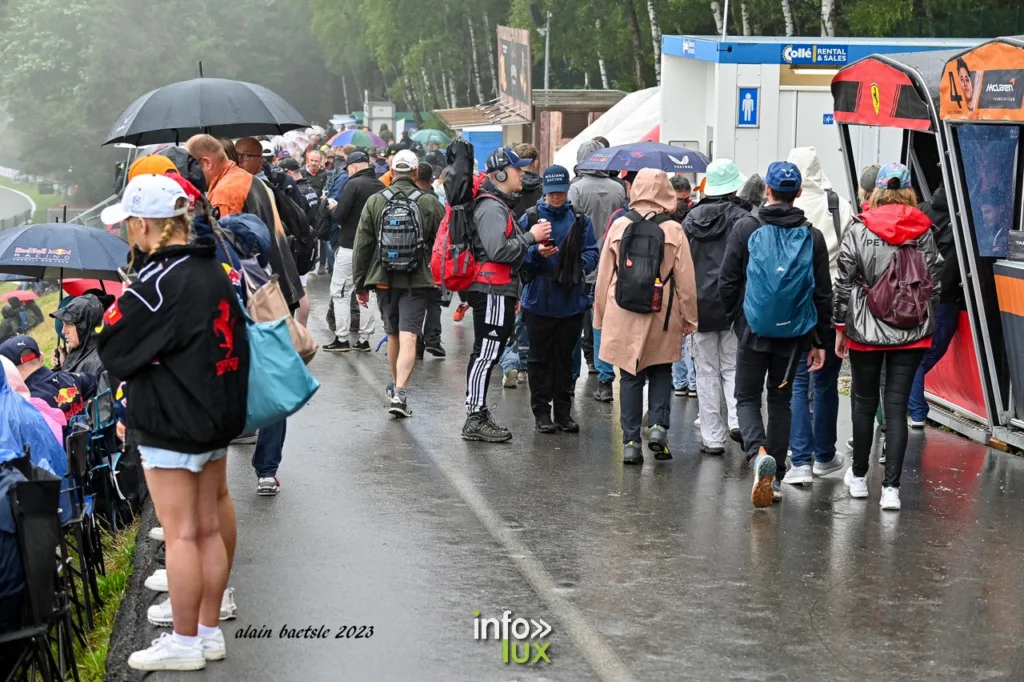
(659,573)
(12,203)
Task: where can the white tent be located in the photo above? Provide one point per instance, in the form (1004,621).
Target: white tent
(626,122)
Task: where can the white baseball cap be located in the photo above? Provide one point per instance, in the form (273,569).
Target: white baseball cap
(147,196)
(404,161)
(268,149)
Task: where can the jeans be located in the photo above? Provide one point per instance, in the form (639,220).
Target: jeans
(946,320)
(554,340)
(684,372)
(817,439)
(493,322)
(714,354)
(752,366)
(900,368)
(517,352)
(269,449)
(341,291)
(631,399)
(605,371)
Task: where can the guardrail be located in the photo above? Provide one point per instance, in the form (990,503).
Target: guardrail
(19,219)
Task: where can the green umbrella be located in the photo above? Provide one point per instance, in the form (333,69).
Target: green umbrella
(431,137)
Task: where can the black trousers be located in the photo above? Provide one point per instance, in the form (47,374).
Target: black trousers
(752,368)
(432,322)
(494,319)
(631,399)
(900,370)
(588,336)
(552,341)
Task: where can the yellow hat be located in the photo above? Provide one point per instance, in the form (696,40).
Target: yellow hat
(153,164)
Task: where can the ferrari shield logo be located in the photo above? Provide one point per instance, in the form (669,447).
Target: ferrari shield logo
(875,101)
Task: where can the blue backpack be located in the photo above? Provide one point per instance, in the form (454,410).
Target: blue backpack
(779,297)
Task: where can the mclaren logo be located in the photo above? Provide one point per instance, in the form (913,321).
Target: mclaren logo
(1001,87)
(876,101)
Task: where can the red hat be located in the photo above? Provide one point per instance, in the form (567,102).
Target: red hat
(189,189)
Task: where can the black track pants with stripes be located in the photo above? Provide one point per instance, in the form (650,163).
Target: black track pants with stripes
(494,319)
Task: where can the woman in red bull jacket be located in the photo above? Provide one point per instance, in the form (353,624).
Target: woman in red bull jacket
(177,337)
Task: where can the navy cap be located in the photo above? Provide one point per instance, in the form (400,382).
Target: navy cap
(556,179)
(505,157)
(356,157)
(290,164)
(783,176)
(20,349)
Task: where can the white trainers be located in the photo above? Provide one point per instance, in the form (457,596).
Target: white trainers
(213,647)
(826,468)
(167,654)
(761,494)
(799,475)
(858,485)
(890,499)
(156,533)
(918,425)
(158,581)
(160,614)
(510,379)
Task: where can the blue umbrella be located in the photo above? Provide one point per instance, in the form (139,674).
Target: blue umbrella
(53,250)
(634,157)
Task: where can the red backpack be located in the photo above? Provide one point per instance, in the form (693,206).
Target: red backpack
(900,296)
(452,261)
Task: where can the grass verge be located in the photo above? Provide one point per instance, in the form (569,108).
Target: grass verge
(120,553)
(45,334)
(43,201)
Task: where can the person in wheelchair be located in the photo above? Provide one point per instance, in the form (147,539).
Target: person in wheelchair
(67,391)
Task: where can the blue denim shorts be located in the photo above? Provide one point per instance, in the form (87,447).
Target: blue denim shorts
(158,458)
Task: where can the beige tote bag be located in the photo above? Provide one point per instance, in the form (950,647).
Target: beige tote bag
(267,304)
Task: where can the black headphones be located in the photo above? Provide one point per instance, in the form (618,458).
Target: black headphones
(500,175)
(499,161)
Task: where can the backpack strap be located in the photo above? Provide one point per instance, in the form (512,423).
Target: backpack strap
(415,196)
(833,208)
(661,218)
(388,194)
(670,281)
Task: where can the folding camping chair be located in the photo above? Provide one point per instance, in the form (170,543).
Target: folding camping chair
(43,647)
(81,536)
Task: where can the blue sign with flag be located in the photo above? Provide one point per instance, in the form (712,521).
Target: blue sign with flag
(746,114)
(820,55)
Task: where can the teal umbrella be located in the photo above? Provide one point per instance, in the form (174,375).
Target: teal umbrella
(431,137)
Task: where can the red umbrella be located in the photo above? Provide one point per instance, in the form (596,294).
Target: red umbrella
(77,287)
(21,295)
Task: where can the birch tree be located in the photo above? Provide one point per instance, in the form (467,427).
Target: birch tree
(787,15)
(491,48)
(746,18)
(601,66)
(827,26)
(716,11)
(634,24)
(652,12)
(475,62)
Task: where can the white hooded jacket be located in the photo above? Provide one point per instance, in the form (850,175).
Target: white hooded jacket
(814,202)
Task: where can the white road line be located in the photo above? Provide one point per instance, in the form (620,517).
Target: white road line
(604,661)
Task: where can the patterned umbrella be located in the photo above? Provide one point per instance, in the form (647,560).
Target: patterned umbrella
(431,137)
(360,138)
(634,157)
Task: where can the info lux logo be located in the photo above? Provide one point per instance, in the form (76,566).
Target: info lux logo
(517,637)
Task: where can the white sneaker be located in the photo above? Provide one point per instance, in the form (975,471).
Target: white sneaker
(914,424)
(510,379)
(696,422)
(858,485)
(799,475)
(156,533)
(890,499)
(826,468)
(160,614)
(158,581)
(213,647)
(167,654)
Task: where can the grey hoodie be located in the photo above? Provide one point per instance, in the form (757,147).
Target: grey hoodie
(595,194)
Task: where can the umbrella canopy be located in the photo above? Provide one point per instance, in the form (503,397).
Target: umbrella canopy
(634,157)
(359,138)
(52,250)
(220,107)
(431,137)
(20,295)
(77,287)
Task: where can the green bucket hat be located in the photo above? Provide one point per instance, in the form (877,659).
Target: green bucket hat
(723,177)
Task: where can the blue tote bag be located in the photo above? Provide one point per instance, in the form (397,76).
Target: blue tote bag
(279,383)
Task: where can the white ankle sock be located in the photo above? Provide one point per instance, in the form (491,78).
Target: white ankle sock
(207,632)
(186,641)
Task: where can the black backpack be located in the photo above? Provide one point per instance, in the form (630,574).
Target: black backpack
(640,252)
(400,238)
(301,239)
(322,224)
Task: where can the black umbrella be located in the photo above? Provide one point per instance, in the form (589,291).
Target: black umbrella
(52,250)
(219,107)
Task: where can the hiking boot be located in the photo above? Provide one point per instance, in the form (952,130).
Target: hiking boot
(400,407)
(632,453)
(658,443)
(267,486)
(545,425)
(761,494)
(337,346)
(510,379)
(362,346)
(460,312)
(567,423)
(479,426)
(603,394)
(436,350)
(167,654)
